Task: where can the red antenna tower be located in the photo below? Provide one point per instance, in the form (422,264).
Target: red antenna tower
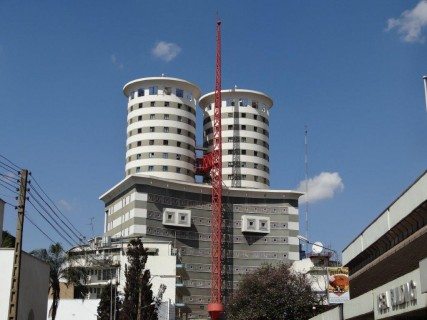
(215,307)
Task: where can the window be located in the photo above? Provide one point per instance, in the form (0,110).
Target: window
(139,118)
(178,143)
(139,130)
(256,179)
(243,165)
(255,165)
(255,104)
(243,151)
(230,164)
(255,117)
(243,115)
(165,168)
(230,177)
(169,216)
(179,118)
(230,139)
(243,139)
(152,116)
(165,155)
(179,105)
(150,168)
(166,116)
(165,129)
(230,114)
(140,106)
(243,127)
(178,131)
(167,91)
(178,170)
(189,96)
(152,129)
(152,103)
(178,157)
(138,169)
(251,224)
(140,92)
(131,95)
(256,129)
(153,90)
(131,108)
(165,142)
(230,151)
(188,108)
(138,156)
(166,103)
(139,143)
(230,127)
(255,141)
(179,93)
(151,155)
(229,103)
(240,102)
(151,142)
(255,153)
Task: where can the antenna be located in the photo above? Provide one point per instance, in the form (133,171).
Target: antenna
(306,178)
(91,224)
(425,89)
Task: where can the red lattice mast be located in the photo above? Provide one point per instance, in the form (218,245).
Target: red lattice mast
(215,307)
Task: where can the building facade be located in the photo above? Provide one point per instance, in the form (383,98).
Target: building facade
(388,262)
(245,136)
(160,200)
(161,128)
(259,226)
(33,283)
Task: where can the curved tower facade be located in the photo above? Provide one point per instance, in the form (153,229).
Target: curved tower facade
(161,127)
(245,136)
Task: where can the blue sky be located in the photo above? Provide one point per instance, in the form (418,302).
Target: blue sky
(344,69)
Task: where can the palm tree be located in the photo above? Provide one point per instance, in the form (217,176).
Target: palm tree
(60,268)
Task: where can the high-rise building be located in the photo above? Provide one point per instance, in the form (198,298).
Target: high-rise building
(160,200)
(245,136)
(161,127)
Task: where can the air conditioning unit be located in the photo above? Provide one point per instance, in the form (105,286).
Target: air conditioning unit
(255,224)
(177,217)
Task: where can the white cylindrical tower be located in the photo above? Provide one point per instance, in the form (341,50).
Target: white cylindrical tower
(245,136)
(161,127)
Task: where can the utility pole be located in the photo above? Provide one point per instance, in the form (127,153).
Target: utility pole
(16,271)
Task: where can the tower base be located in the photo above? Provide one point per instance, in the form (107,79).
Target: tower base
(215,310)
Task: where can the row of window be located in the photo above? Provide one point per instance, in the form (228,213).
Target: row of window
(244,177)
(163,116)
(161,155)
(240,127)
(260,142)
(155,90)
(162,104)
(164,130)
(242,102)
(239,115)
(152,168)
(249,153)
(243,164)
(161,142)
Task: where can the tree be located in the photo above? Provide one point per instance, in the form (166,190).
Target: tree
(105,306)
(59,262)
(272,293)
(138,294)
(8,241)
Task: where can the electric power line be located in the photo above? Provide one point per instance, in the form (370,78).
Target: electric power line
(41,189)
(13,164)
(15,192)
(50,223)
(7,167)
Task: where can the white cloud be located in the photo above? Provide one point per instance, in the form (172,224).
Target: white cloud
(411,23)
(322,186)
(65,205)
(165,50)
(116,62)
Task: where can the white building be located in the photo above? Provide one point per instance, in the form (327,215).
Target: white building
(161,130)
(34,285)
(106,260)
(245,136)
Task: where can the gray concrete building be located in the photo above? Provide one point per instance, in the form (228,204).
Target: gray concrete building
(160,200)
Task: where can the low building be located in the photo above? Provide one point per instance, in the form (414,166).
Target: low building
(34,284)
(388,262)
(105,260)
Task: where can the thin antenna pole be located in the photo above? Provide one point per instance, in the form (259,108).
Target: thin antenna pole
(425,89)
(306,179)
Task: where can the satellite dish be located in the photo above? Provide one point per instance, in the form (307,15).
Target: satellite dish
(317,247)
